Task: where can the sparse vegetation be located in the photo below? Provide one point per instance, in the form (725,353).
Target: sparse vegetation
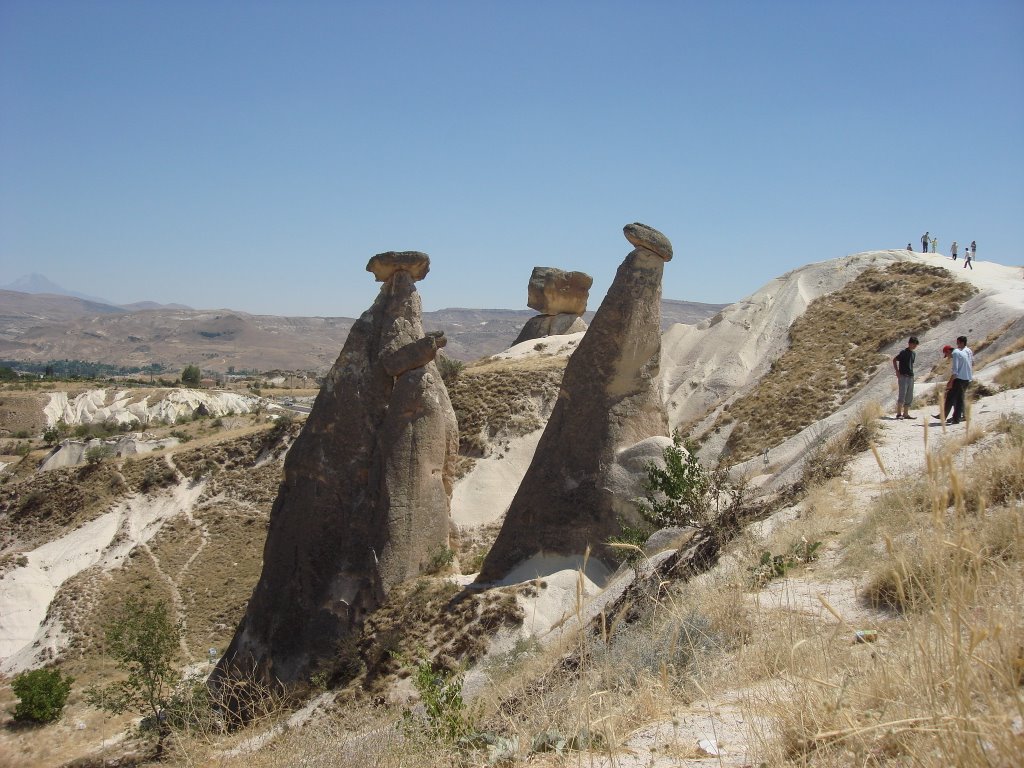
(835,345)
(501,398)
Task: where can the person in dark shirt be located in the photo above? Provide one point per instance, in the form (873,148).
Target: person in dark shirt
(903,364)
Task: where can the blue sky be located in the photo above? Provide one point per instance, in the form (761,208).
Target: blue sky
(254,155)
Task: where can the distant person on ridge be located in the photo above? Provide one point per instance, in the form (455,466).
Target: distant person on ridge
(968,258)
(910,247)
(952,250)
(974,251)
(935,245)
(903,364)
(924,242)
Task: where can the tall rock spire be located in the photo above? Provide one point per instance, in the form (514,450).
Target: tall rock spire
(365,499)
(610,399)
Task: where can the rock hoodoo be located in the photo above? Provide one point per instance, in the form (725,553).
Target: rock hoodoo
(610,400)
(560,297)
(365,499)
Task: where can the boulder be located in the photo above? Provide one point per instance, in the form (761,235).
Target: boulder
(643,236)
(539,326)
(384,265)
(366,494)
(555,292)
(610,399)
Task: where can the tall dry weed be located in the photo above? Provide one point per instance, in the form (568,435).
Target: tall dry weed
(942,686)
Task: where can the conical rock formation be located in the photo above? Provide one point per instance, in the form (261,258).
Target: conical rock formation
(610,400)
(365,499)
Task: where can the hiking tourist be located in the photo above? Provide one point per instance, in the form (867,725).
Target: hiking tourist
(952,250)
(935,245)
(903,364)
(925,238)
(968,258)
(974,251)
(960,377)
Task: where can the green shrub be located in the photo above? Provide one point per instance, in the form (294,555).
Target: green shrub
(98,453)
(681,494)
(449,368)
(43,693)
(191,376)
(441,694)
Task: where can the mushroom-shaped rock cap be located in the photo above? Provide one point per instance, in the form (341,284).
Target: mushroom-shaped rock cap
(643,236)
(554,291)
(384,265)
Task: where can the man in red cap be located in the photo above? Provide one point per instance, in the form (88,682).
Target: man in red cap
(960,377)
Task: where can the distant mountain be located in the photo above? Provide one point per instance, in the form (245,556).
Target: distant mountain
(45,327)
(36,283)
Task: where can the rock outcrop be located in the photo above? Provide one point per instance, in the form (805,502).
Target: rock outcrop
(610,400)
(365,499)
(560,297)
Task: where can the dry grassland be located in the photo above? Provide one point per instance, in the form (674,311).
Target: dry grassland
(835,346)
(497,398)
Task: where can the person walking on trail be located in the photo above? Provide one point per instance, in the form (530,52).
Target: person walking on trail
(952,250)
(903,364)
(960,377)
(968,258)
(925,238)
(935,245)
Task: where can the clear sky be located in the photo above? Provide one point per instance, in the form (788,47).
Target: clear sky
(254,155)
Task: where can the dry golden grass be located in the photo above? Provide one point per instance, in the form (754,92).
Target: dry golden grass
(834,346)
(503,398)
(1011,377)
(943,683)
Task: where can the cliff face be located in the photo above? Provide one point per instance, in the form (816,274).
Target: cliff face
(365,499)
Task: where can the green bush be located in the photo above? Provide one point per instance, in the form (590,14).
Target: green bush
(98,454)
(191,376)
(681,494)
(42,694)
(441,694)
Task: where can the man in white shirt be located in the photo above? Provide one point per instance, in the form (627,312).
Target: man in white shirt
(960,377)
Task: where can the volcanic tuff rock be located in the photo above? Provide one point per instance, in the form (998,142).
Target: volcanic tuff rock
(365,499)
(560,297)
(610,400)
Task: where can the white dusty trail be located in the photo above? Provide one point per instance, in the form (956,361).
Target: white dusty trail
(26,634)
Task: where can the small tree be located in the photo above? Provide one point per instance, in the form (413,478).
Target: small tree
(98,453)
(43,694)
(144,640)
(683,493)
(191,376)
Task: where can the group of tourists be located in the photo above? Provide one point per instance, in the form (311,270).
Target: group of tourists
(956,387)
(927,240)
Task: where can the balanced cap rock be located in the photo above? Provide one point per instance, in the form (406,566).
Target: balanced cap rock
(561,297)
(610,400)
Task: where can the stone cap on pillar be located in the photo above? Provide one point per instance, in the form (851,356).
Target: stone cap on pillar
(384,265)
(642,236)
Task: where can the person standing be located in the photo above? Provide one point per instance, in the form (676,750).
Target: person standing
(952,250)
(960,377)
(974,251)
(935,245)
(925,238)
(903,364)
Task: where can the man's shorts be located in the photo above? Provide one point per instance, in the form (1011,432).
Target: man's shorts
(906,394)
